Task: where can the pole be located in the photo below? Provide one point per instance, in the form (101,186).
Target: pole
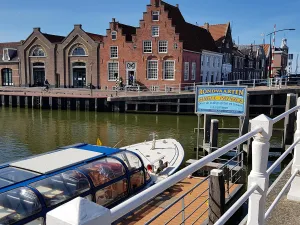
(198,132)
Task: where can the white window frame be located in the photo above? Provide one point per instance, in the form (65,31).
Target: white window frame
(208,61)
(202,60)
(5,56)
(111,56)
(159,42)
(147,46)
(164,77)
(155,13)
(112,34)
(214,61)
(148,61)
(108,77)
(155,31)
(194,69)
(186,70)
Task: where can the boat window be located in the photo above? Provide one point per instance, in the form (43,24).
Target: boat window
(11,175)
(112,193)
(137,180)
(39,221)
(104,170)
(61,187)
(18,204)
(130,159)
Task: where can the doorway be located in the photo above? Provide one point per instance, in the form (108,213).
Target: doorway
(130,78)
(79,75)
(38,70)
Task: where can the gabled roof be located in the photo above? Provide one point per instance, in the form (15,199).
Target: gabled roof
(128,31)
(95,37)
(12,45)
(218,32)
(266,48)
(237,52)
(53,38)
(194,37)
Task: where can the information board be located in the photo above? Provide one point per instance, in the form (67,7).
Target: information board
(221,100)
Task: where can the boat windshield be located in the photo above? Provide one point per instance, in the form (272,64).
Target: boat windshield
(11,175)
(18,204)
(130,159)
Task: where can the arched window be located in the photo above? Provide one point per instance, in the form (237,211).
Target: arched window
(78,51)
(7,77)
(38,52)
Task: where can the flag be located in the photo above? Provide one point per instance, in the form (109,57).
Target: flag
(99,143)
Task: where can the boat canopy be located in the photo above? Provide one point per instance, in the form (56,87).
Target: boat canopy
(30,188)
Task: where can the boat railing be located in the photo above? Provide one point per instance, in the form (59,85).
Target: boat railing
(258,179)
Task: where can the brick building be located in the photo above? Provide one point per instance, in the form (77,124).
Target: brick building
(280,62)
(164,50)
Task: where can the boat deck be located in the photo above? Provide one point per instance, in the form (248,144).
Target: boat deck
(155,206)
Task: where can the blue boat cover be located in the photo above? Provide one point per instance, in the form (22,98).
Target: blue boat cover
(101,149)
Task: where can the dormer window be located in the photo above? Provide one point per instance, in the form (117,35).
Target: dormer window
(5,55)
(114,35)
(155,16)
(38,52)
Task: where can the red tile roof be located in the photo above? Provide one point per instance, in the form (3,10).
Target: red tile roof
(218,32)
(54,38)
(95,37)
(194,37)
(266,48)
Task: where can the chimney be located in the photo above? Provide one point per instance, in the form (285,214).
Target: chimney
(177,5)
(206,26)
(155,3)
(77,26)
(37,29)
(113,20)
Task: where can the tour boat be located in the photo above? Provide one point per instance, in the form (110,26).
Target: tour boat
(31,187)
(162,157)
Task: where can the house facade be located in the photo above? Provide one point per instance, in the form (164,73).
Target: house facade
(211,66)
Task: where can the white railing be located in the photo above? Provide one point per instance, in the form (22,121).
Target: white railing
(258,179)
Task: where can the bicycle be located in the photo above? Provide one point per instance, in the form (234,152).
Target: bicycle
(46,89)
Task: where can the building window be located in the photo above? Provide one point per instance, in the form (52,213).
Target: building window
(155,16)
(78,51)
(162,46)
(169,70)
(214,61)
(193,70)
(113,71)
(155,31)
(113,52)
(207,60)
(207,76)
(227,45)
(219,62)
(212,79)
(201,76)
(175,46)
(202,60)
(186,70)
(147,46)
(235,62)
(114,35)
(7,77)
(38,52)
(5,55)
(152,69)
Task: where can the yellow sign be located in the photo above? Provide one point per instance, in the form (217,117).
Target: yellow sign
(99,143)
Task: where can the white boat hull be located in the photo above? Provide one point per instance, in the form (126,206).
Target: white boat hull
(167,150)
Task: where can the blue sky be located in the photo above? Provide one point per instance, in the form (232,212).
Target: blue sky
(250,19)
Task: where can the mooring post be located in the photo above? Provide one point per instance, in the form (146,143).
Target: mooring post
(289,121)
(216,196)
(206,135)
(214,129)
(271,104)
(258,174)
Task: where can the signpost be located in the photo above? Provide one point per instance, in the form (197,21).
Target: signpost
(219,100)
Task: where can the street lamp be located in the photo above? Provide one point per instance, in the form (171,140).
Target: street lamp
(270,57)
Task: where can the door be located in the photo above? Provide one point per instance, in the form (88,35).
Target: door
(38,77)
(130,77)
(79,77)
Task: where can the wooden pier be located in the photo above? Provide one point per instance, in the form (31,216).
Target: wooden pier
(152,208)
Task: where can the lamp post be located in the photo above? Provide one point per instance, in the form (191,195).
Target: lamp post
(270,57)
(91,87)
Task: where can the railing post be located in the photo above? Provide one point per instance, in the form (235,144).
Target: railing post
(194,86)
(166,88)
(296,160)
(253,83)
(223,82)
(238,82)
(258,175)
(182,213)
(179,86)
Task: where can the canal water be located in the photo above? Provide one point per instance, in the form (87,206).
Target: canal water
(26,132)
